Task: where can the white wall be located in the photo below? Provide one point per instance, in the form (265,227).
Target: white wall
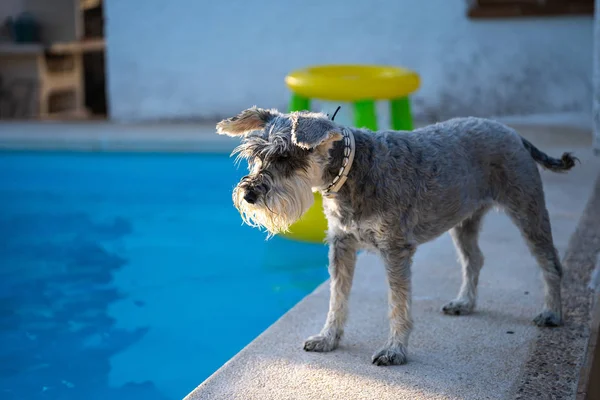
(205,59)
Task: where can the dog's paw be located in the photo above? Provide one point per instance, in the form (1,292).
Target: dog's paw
(547,318)
(390,355)
(458,307)
(320,343)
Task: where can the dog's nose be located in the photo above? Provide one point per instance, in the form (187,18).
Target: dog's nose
(250,197)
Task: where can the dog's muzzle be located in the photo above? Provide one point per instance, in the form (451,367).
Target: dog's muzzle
(253,189)
(250,196)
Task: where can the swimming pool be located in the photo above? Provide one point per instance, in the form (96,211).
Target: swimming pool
(130,276)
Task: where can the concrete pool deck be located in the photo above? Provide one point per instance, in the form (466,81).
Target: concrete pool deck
(496,353)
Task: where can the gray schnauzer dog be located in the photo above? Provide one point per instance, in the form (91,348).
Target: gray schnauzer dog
(390,191)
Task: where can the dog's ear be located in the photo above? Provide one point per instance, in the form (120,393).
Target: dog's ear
(252,119)
(310,132)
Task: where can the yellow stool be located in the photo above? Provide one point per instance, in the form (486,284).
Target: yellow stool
(361,85)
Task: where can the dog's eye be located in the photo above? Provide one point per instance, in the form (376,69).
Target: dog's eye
(283,158)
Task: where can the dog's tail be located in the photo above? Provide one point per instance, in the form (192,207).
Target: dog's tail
(565,163)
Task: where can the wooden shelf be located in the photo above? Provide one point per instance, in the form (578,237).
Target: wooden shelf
(15,49)
(82,46)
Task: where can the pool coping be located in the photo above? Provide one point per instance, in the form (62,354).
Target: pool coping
(104,136)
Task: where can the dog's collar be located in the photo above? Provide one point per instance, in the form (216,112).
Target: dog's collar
(342,176)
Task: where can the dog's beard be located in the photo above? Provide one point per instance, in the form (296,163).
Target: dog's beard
(284,204)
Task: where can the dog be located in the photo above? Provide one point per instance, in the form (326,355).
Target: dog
(389,192)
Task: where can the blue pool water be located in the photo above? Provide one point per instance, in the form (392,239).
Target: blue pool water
(130,276)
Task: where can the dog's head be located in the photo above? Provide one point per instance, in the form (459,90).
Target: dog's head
(286,155)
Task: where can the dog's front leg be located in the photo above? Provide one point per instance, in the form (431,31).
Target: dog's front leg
(342,260)
(398,260)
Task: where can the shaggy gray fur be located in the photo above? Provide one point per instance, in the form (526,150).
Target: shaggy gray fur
(404,189)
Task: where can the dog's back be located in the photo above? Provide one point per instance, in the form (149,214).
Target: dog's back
(492,138)
(451,169)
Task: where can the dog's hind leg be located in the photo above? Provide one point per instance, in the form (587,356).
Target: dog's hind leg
(342,260)
(398,260)
(465,236)
(526,206)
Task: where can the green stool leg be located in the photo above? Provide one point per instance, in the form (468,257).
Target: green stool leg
(401,118)
(299,103)
(365,115)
